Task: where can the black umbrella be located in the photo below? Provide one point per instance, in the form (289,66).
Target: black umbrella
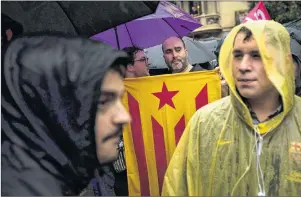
(294,29)
(294,24)
(84,18)
(295,43)
(295,34)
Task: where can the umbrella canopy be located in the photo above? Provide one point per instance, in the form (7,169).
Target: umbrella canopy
(295,23)
(197,54)
(295,41)
(151,30)
(84,18)
(210,44)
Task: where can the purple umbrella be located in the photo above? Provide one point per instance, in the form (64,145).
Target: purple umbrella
(150,30)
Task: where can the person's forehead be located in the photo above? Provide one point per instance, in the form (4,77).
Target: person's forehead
(113,82)
(140,54)
(172,42)
(241,43)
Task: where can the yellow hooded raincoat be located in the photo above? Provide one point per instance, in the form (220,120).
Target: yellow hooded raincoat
(217,155)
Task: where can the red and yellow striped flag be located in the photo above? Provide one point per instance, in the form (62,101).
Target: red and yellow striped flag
(160,107)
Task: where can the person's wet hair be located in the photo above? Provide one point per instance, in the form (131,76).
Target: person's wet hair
(119,66)
(247,32)
(132,51)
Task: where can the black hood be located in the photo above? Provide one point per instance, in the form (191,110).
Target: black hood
(49,89)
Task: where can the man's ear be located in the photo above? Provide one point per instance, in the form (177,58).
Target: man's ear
(9,34)
(130,67)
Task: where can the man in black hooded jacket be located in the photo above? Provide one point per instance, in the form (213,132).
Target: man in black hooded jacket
(62,114)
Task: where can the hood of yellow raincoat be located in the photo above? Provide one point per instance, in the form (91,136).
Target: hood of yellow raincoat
(273,42)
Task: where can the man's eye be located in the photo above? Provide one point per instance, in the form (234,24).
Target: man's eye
(237,56)
(178,49)
(105,100)
(256,56)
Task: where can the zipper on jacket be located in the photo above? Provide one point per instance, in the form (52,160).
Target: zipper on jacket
(259,173)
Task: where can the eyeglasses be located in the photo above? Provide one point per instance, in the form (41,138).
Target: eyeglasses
(142,60)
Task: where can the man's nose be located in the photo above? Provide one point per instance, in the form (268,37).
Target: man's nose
(245,64)
(122,116)
(175,54)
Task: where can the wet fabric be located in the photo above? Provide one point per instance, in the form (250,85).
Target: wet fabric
(102,184)
(216,155)
(50,87)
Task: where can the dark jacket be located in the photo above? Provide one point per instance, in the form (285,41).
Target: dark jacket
(298,75)
(102,184)
(50,86)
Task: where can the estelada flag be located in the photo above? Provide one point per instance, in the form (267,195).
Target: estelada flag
(259,12)
(161,107)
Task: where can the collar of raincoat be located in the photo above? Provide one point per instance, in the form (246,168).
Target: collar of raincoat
(273,42)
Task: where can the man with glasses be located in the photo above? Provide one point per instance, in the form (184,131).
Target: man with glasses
(139,67)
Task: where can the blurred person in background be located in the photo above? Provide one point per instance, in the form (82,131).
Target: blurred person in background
(175,55)
(139,65)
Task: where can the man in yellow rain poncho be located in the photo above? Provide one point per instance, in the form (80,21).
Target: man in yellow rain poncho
(247,144)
